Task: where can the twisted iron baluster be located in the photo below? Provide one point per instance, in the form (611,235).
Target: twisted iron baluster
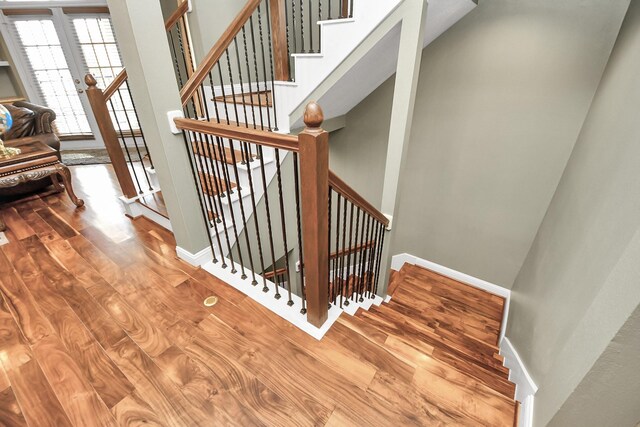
(299,226)
(255,67)
(264,65)
(205,211)
(124,144)
(273,80)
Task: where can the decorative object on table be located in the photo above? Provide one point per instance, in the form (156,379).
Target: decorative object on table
(5,124)
(36,161)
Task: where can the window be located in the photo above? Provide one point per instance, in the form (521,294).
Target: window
(52,75)
(102,59)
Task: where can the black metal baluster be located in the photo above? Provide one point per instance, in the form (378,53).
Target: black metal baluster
(229,192)
(302,26)
(283,224)
(318,24)
(273,80)
(310,16)
(348,266)
(379,266)
(174,53)
(233,90)
(355,253)
(268,212)
(224,95)
(144,141)
(207,185)
(329,244)
(255,66)
(124,143)
(215,103)
(363,258)
(336,259)
(205,211)
(350,9)
(256,223)
(182,52)
(246,59)
(370,238)
(286,20)
(244,104)
(264,63)
(242,213)
(217,195)
(342,256)
(293,26)
(299,226)
(135,141)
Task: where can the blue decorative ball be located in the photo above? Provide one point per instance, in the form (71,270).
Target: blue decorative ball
(5,119)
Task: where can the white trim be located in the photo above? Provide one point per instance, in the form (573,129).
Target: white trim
(526,388)
(397,261)
(134,209)
(198,259)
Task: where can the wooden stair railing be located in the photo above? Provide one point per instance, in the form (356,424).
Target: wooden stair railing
(334,251)
(117,117)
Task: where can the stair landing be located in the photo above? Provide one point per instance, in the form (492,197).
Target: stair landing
(444,334)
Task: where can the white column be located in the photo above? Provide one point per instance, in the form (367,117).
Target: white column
(142,39)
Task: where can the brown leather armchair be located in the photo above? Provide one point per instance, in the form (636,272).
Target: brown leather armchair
(30,120)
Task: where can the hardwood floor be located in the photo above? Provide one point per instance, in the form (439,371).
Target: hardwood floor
(101,324)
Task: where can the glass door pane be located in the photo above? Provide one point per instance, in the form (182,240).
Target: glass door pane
(100,57)
(52,75)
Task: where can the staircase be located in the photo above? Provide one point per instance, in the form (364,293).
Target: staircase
(262,194)
(449,332)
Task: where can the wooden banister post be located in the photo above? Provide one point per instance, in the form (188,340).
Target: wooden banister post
(101,112)
(279,36)
(314,179)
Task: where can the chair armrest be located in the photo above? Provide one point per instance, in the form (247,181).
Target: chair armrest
(44,116)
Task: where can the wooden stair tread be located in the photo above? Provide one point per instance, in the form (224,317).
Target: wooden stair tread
(477,354)
(209,150)
(256,98)
(212,185)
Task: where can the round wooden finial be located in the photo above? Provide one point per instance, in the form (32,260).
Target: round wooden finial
(90,80)
(313,115)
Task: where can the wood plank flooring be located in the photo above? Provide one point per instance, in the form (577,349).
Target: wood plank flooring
(101,324)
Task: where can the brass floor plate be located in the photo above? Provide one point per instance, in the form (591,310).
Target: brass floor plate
(210,301)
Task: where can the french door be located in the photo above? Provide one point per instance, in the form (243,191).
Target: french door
(55,48)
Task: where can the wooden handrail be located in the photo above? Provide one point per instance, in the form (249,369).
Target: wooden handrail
(98,103)
(217,51)
(352,195)
(115,85)
(176,15)
(271,274)
(353,249)
(257,136)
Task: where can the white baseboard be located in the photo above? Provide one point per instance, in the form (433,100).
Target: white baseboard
(526,388)
(134,209)
(397,261)
(198,259)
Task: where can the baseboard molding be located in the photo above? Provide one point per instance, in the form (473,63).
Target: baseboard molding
(198,259)
(526,388)
(397,261)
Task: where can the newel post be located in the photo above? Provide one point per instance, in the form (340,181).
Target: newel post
(101,112)
(279,37)
(314,180)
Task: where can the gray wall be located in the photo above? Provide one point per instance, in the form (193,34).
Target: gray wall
(501,100)
(579,282)
(612,385)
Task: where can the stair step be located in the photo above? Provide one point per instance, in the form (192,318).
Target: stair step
(209,150)
(256,98)
(209,186)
